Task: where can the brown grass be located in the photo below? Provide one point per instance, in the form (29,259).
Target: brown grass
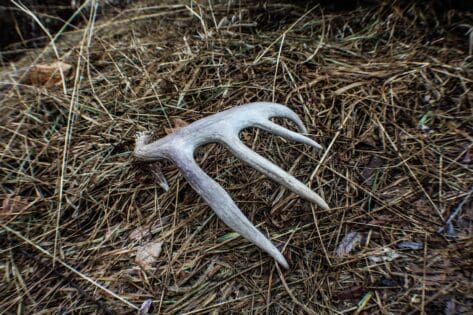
(386,90)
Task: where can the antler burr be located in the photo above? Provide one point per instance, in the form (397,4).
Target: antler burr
(224,128)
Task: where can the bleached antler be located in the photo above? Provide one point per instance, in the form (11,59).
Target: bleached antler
(224,128)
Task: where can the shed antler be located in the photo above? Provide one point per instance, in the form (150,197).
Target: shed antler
(224,128)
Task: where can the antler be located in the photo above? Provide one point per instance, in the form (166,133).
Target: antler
(224,128)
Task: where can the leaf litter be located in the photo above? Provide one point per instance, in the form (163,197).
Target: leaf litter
(362,80)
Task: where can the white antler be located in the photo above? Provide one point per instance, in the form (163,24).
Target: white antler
(224,128)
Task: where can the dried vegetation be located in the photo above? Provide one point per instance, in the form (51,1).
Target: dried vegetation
(386,89)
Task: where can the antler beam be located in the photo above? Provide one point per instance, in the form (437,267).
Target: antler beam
(224,128)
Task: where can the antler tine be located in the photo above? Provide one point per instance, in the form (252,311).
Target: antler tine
(274,172)
(224,128)
(277,110)
(223,205)
(286,133)
(270,110)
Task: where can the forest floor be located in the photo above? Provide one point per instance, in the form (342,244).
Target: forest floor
(387,91)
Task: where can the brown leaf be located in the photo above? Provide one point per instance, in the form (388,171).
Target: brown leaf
(47,75)
(178,124)
(148,254)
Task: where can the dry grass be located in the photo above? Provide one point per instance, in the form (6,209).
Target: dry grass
(386,90)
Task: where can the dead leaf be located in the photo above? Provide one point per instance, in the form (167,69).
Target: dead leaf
(350,241)
(47,75)
(148,254)
(178,124)
(144,308)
